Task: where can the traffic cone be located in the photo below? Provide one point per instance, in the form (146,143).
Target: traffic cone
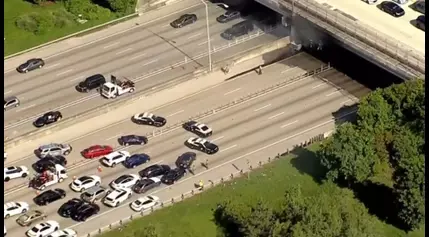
(99,169)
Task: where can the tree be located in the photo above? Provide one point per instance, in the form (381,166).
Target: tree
(122,6)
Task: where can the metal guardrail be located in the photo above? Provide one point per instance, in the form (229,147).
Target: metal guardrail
(8,142)
(397,50)
(74,34)
(195,191)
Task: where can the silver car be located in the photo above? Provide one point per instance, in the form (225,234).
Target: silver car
(53,149)
(94,194)
(11,102)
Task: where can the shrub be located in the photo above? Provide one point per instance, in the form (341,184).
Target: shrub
(27,23)
(87,9)
(122,6)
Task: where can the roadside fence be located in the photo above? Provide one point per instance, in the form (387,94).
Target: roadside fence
(245,172)
(386,44)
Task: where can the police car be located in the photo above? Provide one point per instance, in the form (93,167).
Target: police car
(202,145)
(199,129)
(149,119)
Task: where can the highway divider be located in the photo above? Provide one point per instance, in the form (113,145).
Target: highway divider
(114,104)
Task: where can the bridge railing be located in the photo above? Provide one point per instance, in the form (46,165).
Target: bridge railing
(395,49)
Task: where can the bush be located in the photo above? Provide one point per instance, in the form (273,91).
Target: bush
(27,23)
(62,18)
(87,9)
(122,6)
(36,23)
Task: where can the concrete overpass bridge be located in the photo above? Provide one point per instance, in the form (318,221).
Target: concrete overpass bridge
(310,22)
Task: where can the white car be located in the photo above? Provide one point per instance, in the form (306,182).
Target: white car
(371,1)
(13,172)
(15,208)
(115,158)
(5,155)
(64,233)
(85,182)
(124,181)
(144,203)
(116,197)
(5,232)
(43,229)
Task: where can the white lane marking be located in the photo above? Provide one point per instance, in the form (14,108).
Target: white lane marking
(332,93)
(230,92)
(52,66)
(218,138)
(78,78)
(220,165)
(62,73)
(193,36)
(110,45)
(150,62)
(288,124)
(345,102)
(205,42)
(112,137)
(316,86)
(289,69)
(263,107)
(24,108)
(138,56)
(165,26)
(222,150)
(7,92)
(123,51)
(175,113)
(276,115)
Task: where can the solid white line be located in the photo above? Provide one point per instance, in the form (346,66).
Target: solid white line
(7,92)
(288,124)
(193,36)
(116,136)
(21,109)
(62,73)
(123,51)
(332,93)
(222,150)
(51,66)
(110,45)
(153,61)
(217,139)
(78,78)
(227,93)
(276,115)
(321,84)
(263,107)
(178,112)
(346,101)
(138,56)
(287,70)
(218,166)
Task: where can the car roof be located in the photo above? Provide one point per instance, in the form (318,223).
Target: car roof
(147,115)
(48,146)
(10,204)
(95,189)
(115,192)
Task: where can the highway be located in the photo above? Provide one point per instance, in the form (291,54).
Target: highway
(151,55)
(275,120)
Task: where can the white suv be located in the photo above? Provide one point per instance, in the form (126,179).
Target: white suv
(14,172)
(116,197)
(115,158)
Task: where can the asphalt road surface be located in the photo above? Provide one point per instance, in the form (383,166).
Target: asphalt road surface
(150,55)
(244,132)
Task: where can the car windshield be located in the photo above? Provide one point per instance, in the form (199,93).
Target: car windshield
(5,102)
(35,229)
(24,217)
(86,195)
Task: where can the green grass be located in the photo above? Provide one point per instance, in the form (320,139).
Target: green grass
(193,217)
(18,40)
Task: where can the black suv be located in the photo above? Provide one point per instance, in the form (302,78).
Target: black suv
(69,207)
(30,65)
(48,163)
(154,170)
(186,159)
(91,83)
(237,30)
(49,196)
(85,211)
(173,176)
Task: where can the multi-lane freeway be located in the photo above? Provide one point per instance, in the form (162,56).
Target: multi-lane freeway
(150,55)
(275,120)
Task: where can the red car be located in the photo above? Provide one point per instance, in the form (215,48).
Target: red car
(96,151)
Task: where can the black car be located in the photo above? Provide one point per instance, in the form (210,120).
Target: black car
(392,8)
(173,176)
(69,207)
(132,140)
(228,16)
(91,83)
(184,20)
(49,196)
(186,159)
(30,65)
(85,211)
(48,118)
(149,119)
(48,163)
(420,22)
(154,170)
(237,30)
(145,184)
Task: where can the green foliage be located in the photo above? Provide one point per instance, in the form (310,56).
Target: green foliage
(122,6)
(385,146)
(86,9)
(330,214)
(36,23)
(39,2)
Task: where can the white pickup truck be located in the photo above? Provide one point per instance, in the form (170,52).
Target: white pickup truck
(49,177)
(116,87)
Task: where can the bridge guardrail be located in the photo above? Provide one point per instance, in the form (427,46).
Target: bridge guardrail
(397,50)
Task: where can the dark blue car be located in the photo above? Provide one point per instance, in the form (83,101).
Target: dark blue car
(136,160)
(132,140)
